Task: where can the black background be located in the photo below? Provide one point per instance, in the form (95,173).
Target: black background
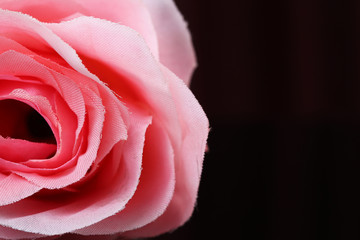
(279,81)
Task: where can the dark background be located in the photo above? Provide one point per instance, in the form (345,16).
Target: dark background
(279,81)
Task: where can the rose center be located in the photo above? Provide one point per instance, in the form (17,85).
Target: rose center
(19,120)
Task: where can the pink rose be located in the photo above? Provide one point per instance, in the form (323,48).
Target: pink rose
(99,132)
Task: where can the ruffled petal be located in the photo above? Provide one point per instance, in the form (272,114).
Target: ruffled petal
(153,193)
(61,179)
(189,155)
(44,10)
(175,45)
(131,71)
(130,13)
(106,194)
(65,120)
(116,114)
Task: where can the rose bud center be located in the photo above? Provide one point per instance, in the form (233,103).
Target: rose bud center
(23,130)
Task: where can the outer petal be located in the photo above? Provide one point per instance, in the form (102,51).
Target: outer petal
(188,161)
(142,74)
(44,10)
(175,47)
(153,193)
(33,35)
(131,13)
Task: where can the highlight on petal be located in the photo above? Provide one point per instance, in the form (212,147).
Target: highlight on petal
(43,10)
(175,45)
(34,35)
(133,13)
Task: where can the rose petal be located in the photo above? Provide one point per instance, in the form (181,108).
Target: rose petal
(157,99)
(96,202)
(35,36)
(133,13)
(29,67)
(175,45)
(189,155)
(64,178)
(29,150)
(36,32)
(7,44)
(66,142)
(14,188)
(67,137)
(12,234)
(43,10)
(38,103)
(127,70)
(153,193)
(112,133)
(116,114)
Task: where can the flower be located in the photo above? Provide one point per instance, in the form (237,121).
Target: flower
(100,134)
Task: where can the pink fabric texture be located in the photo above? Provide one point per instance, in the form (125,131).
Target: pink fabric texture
(100,136)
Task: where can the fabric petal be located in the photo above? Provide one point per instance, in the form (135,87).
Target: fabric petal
(105,195)
(43,10)
(7,44)
(153,193)
(13,234)
(189,155)
(64,178)
(116,114)
(130,13)
(175,45)
(29,150)
(34,35)
(14,188)
(66,122)
(121,59)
